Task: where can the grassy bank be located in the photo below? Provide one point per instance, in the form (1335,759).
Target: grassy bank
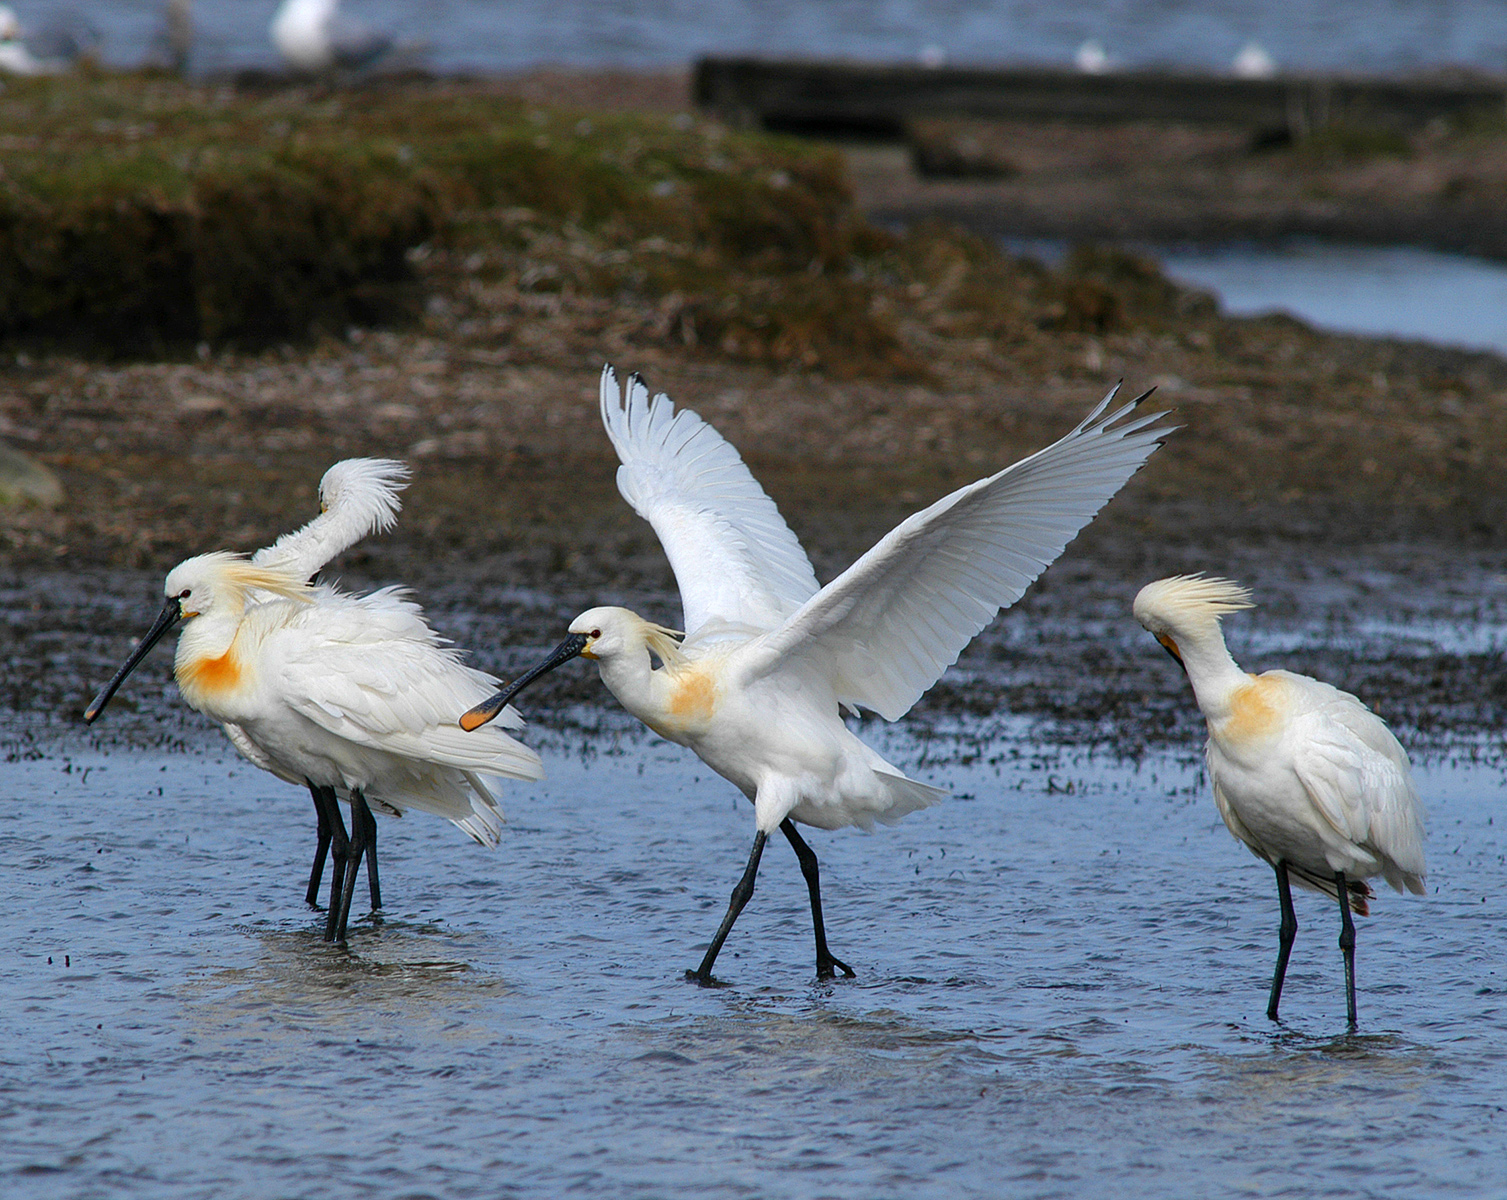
(141,216)
(144,217)
(862,370)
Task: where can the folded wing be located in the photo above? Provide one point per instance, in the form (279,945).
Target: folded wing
(734,558)
(381,678)
(891,623)
(1357,776)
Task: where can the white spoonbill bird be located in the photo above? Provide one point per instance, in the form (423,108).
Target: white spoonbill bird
(1307,776)
(352,694)
(769,659)
(357,497)
(314,35)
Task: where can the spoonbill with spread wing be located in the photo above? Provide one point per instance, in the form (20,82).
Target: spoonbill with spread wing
(1307,776)
(770,659)
(351,695)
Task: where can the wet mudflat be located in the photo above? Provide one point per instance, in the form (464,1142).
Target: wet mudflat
(1062,971)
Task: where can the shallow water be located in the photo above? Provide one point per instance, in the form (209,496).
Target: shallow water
(1062,971)
(1062,977)
(1376,291)
(1381,291)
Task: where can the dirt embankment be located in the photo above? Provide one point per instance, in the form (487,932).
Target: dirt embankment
(1294,445)
(1443,186)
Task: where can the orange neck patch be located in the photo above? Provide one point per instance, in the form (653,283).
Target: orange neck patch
(694,697)
(211,675)
(1253,710)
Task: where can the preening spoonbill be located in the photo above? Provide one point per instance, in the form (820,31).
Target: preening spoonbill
(314,35)
(1307,776)
(769,659)
(350,694)
(357,497)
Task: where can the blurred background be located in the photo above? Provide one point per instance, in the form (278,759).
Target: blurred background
(490,35)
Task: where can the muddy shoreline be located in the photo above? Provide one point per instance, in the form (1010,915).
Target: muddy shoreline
(1307,464)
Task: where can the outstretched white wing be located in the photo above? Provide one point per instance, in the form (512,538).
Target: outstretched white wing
(733,556)
(889,625)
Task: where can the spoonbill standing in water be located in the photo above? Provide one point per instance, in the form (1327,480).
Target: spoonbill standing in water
(770,659)
(349,694)
(357,497)
(1307,776)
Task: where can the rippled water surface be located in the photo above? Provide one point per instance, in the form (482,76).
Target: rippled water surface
(1061,984)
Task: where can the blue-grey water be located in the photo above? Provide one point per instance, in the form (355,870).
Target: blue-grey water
(487,35)
(1382,291)
(1062,977)
(1377,291)
(1062,970)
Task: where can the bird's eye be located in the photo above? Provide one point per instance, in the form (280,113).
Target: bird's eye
(596,633)
(185,593)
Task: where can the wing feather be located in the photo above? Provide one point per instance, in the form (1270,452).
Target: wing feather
(1360,782)
(370,669)
(897,618)
(734,557)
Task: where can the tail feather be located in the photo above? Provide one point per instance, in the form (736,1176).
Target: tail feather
(907,796)
(1360,891)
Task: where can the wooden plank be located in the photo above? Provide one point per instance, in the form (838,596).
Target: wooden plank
(881,98)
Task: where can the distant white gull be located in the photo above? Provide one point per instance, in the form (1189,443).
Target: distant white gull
(314,35)
(1253,62)
(47,49)
(1091,58)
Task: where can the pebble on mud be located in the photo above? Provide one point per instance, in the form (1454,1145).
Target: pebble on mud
(26,481)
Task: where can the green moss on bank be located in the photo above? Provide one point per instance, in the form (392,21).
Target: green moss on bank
(141,215)
(144,216)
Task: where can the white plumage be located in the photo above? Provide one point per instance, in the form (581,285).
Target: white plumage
(769,658)
(354,694)
(16,57)
(1304,774)
(357,497)
(314,35)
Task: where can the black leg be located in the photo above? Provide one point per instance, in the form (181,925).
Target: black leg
(322,847)
(340,853)
(1347,945)
(1286,934)
(741,893)
(825,962)
(371,857)
(362,825)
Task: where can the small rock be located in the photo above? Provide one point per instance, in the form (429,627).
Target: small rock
(25,481)
(202,404)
